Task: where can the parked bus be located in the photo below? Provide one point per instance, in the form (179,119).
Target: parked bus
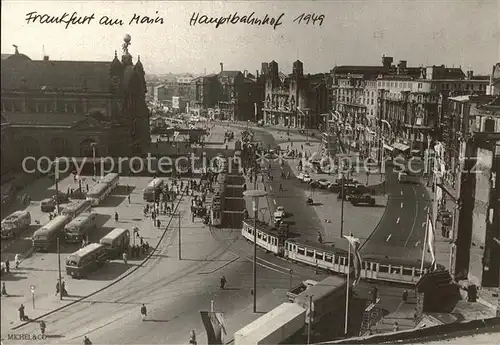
(15,224)
(117,242)
(79,228)
(98,192)
(112,179)
(153,190)
(46,236)
(75,208)
(86,260)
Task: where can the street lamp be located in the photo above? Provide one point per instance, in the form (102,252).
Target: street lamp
(93,158)
(255,195)
(55,163)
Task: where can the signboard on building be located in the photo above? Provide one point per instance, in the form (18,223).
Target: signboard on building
(175,102)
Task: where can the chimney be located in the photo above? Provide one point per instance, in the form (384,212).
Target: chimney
(387,61)
(45,58)
(221,67)
(245,73)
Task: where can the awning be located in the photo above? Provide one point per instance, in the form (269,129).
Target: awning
(401,147)
(387,147)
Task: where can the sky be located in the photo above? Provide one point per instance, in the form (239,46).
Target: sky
(456,33)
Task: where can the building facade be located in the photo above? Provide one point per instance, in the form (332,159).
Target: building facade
(296,100)
(71,108)
(472,178)
(411,105)
(232,95)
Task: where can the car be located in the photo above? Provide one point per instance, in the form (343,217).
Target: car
(362,199)
(279,214)
(323,183)
(306,178)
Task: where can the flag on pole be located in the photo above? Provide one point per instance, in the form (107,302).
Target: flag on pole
(214,326)
(354,243)
(430,239)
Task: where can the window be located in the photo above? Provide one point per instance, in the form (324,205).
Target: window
(407,271)
(396,270)
(372,102)
(310,253)
(319,256)
(301,251)
(419,85)
(383,269)
(264,237)
(489,125)
(259,235)
(328,258)
(336,259)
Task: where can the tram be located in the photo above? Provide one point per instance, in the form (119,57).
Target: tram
(373,267)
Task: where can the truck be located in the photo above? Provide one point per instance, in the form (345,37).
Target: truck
(275,327)
(295,291)
(328,297)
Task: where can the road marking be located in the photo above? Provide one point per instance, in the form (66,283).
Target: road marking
(397,221)
(274,202)
(401,205)
(415,216)
(388,238)
(401,192)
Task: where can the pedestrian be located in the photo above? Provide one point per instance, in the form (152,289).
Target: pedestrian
(43,326)
(128,197)
(405,296)
(124,256)
(395,328)
(116,216)
(87,186)
(158,223)
(57,288)
(63,289)
(86,341)
(17,260)
(4,290)
(144,312)
(142,240)
(7,265)
(22,316)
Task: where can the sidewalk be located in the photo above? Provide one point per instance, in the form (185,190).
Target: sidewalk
(41,269)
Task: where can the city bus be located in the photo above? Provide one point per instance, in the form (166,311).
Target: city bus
(153,190)
(75,208)
(79,228)
(45,237)
(15,224)
(98,192)
(86,260)
(112,180)
(116,242)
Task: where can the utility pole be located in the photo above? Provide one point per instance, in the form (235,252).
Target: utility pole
(59,270)
(291,278)
(342,207)
(56,173)
(179,215)
(347,291)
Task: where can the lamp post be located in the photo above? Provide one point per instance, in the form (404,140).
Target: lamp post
(93,158)
(255,195)
(56,174)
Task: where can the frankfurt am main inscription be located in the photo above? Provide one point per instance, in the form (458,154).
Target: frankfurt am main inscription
(197,18)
